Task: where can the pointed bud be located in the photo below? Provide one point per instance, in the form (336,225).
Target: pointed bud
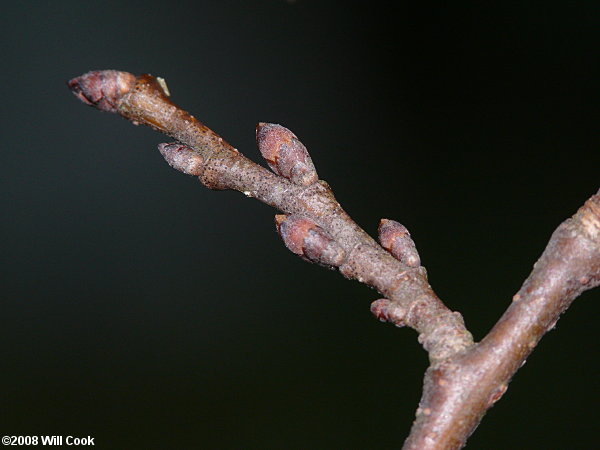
(308,240)
(395,238)
(387,311)
(285,154)
(182,158)
(102,88)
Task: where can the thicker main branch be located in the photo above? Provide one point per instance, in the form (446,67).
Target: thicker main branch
(464,379)
(457,392)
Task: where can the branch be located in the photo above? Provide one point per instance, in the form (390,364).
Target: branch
(464,379)
(459,391)
(296,191)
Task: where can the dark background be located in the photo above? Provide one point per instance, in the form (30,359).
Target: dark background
(148,312)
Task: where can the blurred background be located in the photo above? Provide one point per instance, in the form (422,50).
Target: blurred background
(146,311)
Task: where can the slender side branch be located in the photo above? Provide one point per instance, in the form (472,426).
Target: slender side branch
(294,189)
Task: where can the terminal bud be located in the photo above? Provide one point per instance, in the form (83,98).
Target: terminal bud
(102,88)
(285,154)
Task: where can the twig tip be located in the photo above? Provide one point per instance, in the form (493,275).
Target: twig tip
(102,89)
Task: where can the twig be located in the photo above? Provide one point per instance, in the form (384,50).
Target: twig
(296,191)
(464,379)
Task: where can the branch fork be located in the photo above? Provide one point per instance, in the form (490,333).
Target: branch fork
(465,378)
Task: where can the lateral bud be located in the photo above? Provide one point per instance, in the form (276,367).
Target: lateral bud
(395,238)
(285,154)
(308,240)
(102,89)
(387,311)
(182,158)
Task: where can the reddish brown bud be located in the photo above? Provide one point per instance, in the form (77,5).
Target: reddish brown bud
(308,240)
(395,238)
(285,154)
(182,158)
(293,229)
(102,88)
(387,311)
